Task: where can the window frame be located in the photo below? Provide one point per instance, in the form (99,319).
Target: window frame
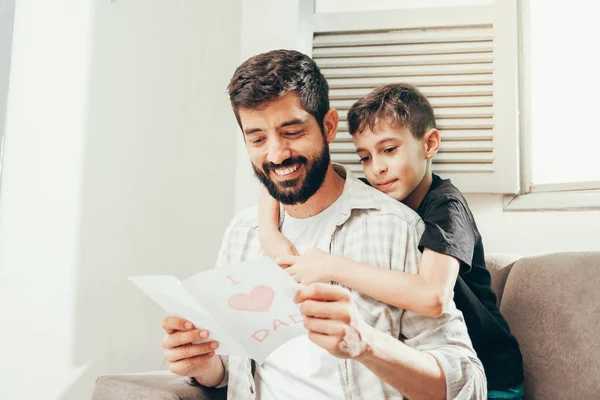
(566,196)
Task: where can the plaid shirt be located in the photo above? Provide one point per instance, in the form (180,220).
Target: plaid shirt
(374,229)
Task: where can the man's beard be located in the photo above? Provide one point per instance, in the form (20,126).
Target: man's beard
(298,190)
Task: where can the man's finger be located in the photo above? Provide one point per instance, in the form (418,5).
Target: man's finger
(185,366)
(322,292)
(190,350)
(180,338)
(327,342)
(326,310)
(172,324)
(325,326)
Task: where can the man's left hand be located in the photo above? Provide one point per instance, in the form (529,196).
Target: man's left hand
(333,321)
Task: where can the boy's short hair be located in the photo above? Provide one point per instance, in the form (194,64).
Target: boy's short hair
(398,104)
(266,77)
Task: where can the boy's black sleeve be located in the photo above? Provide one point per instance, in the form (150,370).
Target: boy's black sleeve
(449,230)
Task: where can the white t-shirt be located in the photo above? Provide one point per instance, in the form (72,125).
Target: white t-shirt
(299,369)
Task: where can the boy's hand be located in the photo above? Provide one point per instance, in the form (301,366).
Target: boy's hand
(315,266)
(276,246)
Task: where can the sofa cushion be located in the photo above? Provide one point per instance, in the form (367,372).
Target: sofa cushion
(552,304)
(151,387)
(499,266)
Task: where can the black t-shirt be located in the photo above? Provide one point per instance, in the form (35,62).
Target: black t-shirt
(450,229)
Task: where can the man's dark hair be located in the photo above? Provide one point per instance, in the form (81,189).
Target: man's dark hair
(266,77)
(398,104)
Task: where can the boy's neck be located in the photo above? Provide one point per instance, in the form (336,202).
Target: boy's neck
(415,199)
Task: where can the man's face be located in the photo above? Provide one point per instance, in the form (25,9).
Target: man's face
(393,160)
(287,148)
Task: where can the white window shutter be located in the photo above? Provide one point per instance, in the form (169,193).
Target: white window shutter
(463,58)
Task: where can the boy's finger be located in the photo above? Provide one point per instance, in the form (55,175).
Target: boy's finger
(286,260)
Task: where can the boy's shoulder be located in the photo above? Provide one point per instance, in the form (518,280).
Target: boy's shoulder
(442,197)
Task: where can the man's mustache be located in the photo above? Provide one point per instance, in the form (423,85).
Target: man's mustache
(288,162)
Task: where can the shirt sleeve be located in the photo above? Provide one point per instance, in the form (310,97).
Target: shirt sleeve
(445,338)
(449,230)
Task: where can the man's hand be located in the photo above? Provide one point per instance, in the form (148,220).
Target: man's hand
(332,320)
(186,356)
(315,266)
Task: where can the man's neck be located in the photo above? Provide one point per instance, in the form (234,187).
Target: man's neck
(328,193)
(415,199)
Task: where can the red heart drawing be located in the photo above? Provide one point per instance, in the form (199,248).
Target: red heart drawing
(259,299)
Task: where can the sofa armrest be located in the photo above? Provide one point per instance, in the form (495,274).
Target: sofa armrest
(152,387)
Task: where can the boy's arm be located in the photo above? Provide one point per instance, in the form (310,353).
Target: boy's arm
(272,242)
(426,293)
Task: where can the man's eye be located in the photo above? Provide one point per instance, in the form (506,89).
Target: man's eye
(257,140)
(292,133)
(390,149)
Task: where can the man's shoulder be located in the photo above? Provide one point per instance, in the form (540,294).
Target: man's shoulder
(247,218)
(390,208)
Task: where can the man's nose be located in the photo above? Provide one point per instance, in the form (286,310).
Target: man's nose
(278,151)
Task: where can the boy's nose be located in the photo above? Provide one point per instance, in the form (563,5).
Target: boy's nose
(379,167)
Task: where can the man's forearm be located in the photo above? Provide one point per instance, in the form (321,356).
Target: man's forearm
(415,374)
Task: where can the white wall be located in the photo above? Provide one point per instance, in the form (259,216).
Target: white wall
(7,9)
(529,233)
(119,160)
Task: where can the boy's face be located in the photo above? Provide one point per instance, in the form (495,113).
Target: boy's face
(393,160)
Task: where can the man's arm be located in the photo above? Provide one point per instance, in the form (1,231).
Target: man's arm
(444,338)
(415,374)
(334,324)
(436,357)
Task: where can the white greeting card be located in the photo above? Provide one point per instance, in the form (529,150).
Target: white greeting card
(248,308)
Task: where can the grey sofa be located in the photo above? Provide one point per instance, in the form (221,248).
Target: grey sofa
(552,303)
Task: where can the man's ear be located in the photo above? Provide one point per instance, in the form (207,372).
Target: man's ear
(431,143)
(330,124)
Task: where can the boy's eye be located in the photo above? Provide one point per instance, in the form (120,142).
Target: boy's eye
(365,159)
(390,149)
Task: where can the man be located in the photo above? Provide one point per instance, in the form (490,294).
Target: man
(353,350)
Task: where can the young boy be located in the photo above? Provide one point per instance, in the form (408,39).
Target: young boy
(394,131)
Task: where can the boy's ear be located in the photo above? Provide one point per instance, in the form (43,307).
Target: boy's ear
(431,143)
(330,124)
